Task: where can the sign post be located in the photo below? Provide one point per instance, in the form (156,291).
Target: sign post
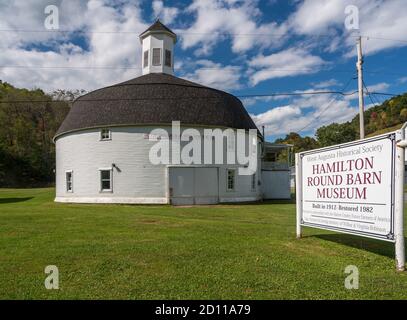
(355,188)
(298,192)
(399,201)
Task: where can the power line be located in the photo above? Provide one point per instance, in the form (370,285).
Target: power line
(386,94)
(202,68)
(253,34)
(370,96)
(284,94)
(342,93)
(327,106)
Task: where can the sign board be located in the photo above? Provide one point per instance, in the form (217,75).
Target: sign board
(350,187)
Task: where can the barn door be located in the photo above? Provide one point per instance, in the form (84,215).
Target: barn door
(206,186)
(189,186)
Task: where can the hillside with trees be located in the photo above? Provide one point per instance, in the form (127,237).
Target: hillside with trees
(29,120)
(388,116)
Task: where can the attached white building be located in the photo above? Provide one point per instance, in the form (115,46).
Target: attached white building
(103,145)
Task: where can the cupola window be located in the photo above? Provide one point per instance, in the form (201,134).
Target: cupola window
(145,62)
(168,58)
(156,57)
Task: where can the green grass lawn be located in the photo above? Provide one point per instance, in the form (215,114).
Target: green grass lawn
(164,252)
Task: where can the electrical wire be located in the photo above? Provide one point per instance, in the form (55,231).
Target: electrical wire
(187,98)
(279,35)
(326,107)
(369,95)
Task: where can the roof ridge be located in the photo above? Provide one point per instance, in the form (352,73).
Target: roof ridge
(158,26)
(187,84)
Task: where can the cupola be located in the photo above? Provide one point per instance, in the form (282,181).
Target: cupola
(158,49)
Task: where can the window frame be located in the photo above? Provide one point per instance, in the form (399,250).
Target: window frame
(145,57)
(169,60)
(70,172)
(101,134)
(159,57)
(110,170)
(254,182)
(227,179)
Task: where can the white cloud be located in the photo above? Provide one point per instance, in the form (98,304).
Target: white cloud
(383,20)
(286,63)
(380,19)
(316,17)
(216,20)
(75,63)
(166,14)
(402,80)
(309,112)
(276,115)
(215,75)
(383,86)
(326,84)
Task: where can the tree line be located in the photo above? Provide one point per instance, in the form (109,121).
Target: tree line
(389,114)
(28,122)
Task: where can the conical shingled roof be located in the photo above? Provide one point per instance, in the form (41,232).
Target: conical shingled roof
(156,99)
(157,26)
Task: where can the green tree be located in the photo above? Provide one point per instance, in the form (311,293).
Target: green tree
(299,143)
(403,114)
(28,123)
(336,134)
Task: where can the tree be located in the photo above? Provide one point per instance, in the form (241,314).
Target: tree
(27,152)
(336,134)
(403,114)
(300,144)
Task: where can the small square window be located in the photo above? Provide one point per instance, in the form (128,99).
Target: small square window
(105,134)
(156,57)
(106,180)
(230,180)
(145,62)
(168,58)
(69,181)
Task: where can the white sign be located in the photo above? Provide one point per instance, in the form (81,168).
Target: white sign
(350,187)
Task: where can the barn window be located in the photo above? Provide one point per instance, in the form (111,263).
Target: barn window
(69,181)
(106,180)
(156,57)
(145,62)
(105,134)
(254,182)
(231,179)
(168,58)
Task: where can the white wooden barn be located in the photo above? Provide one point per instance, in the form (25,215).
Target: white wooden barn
(102,147)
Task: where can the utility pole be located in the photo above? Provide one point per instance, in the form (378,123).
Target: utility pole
(359,66)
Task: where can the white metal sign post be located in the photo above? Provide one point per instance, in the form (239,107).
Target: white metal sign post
(355,188)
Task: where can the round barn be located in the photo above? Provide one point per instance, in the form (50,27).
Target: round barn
(103,146)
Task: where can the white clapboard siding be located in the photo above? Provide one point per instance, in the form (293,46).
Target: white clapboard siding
(135,179)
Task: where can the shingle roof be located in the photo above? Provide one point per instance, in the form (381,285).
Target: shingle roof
(155,99)
(158,26)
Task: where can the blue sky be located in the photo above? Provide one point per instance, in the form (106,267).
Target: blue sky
(244,47)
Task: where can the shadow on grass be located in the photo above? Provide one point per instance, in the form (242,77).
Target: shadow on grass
(375,246)
(258,203)
(13,200)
